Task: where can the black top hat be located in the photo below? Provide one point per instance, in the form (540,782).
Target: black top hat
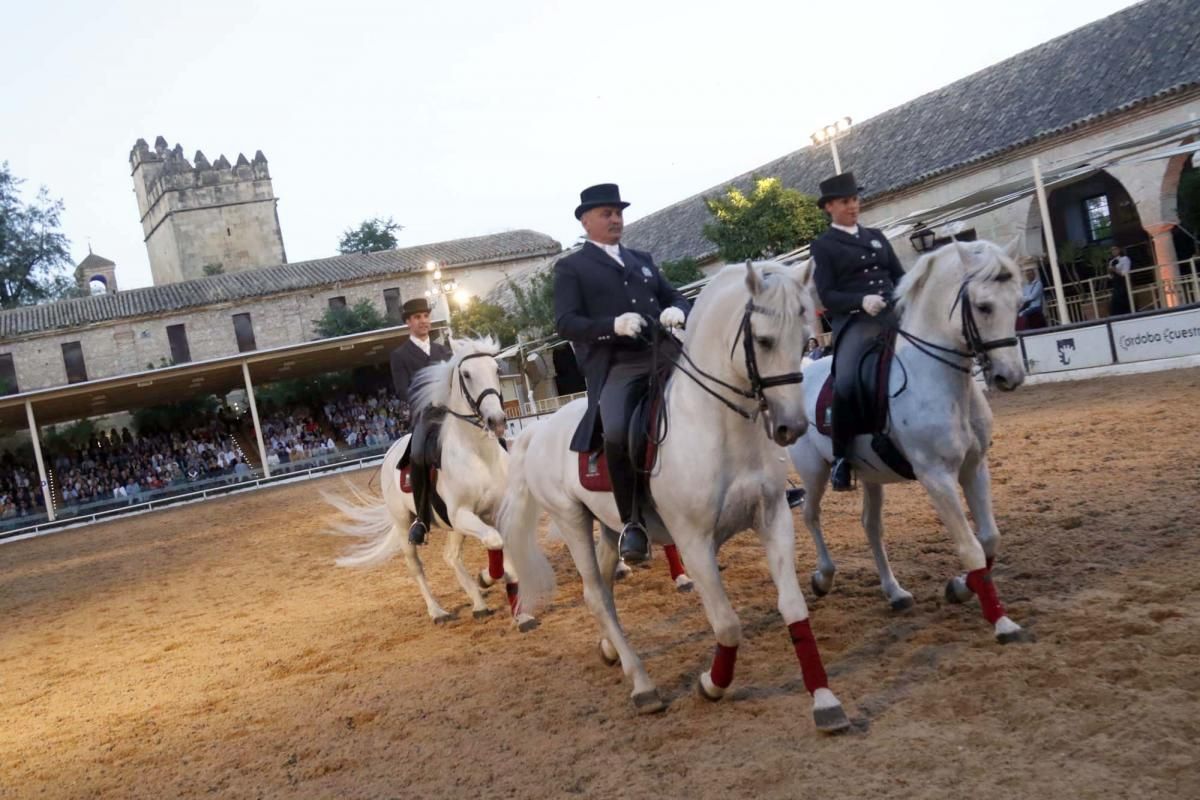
(414,306)
(602,194)
(842,185)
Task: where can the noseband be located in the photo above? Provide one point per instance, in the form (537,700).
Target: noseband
(476,416)
(977,348)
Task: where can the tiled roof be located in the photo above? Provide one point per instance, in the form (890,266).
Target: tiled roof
(1146,52)
(271,280)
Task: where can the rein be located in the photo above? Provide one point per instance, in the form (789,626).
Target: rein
(758,383)
(977,348)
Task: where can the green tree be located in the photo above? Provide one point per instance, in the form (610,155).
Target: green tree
(35,263)
(371,236)
(681,272)
(535,306)
(362,316)
(481,318)
(769,221)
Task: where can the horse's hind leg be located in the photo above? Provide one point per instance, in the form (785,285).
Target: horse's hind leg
(609,558)
(679,577)
(943,492)
(872,519)
(452,555)
(816,479)
(598,596)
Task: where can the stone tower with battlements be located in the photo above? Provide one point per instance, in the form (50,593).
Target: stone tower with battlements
(203,219)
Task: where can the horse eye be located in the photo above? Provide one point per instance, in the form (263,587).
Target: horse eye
(467,377)
(1003,276)
(985,308)
(765,342)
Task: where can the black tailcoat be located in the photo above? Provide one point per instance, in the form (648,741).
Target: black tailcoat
(408,359)
(590,291)
(848,267)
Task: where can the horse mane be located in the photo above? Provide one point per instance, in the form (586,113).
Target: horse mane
(776,294)
(433,384)
(987,262)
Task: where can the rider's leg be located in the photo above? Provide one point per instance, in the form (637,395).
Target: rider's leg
(854,339)
(626,379)
(419,459)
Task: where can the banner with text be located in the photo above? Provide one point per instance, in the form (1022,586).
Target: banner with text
(1070,349)
(1159,336)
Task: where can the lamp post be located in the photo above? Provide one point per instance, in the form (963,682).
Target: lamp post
(439,288)
(922,238)
(831,133)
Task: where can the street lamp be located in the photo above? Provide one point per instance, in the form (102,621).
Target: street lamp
(831,133)
(922,238)
(439,288)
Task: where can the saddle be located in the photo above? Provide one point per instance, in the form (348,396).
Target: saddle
(869,407)
(643,424)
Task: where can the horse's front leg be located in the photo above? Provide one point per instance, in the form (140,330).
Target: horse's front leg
(599,599)
(467,521)
(779,540)
(816,479)
(943,493)
(608,557)
(898,597)
(452,555)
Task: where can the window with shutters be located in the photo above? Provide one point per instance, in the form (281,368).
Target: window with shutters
(243,328)
(73,361)
(180,352)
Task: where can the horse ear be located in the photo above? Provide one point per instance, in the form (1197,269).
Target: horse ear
(1013,247)
(754,280)
(965,256)
(804,271)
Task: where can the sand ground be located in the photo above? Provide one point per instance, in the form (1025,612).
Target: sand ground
(215,649)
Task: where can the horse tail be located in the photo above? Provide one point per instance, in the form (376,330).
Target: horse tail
(518,520)
(365,517)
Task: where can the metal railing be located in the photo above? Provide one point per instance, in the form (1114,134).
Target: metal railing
(1091,298)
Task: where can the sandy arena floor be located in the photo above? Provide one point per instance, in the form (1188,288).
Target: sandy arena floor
(215,650)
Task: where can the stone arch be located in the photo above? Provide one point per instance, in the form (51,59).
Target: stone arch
(97,284)
(1173,184)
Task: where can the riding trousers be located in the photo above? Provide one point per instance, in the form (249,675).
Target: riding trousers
(625,385)
(422,454)
(857,335)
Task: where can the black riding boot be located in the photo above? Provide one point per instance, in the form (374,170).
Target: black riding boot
(842,476)
(634,545)
(418,463)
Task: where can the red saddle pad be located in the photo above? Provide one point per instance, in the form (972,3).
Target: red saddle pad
(825,407)
(405,479)
(593,468)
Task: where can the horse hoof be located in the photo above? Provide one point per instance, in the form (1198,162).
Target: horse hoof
(816,585)
(707,689)
(484,580)
(441,619)
(957,591)
(482,613)
(684,584)
(650,702)
(831,720)
(526,623)
(902,603)
(623,571)
(610,659)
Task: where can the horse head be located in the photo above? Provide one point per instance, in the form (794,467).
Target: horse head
(468,384)
(761,315)
(969,294)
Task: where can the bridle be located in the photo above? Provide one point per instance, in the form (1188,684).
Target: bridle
(758,383)
(977,348)
(476,416)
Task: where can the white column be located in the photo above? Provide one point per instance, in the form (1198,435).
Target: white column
(41,465)
(262,449)
(1051,247)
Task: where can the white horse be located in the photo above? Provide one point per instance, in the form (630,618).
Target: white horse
(957,306)
(471,480)
(716,475)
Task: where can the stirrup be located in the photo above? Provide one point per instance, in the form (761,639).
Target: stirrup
(634,544)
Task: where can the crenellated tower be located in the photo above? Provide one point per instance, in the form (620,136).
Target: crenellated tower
(202,218)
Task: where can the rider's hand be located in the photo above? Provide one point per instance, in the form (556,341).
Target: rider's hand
(628,324)
(873,304)
(671,317)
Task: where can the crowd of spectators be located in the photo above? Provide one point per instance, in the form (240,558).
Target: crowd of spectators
(371,420)
(124,466)
(20,494)
(296,436)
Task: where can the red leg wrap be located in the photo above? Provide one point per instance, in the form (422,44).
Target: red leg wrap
(510,589)
(495,564)
(673,560)
(722,667)
(810,659)
(979,581)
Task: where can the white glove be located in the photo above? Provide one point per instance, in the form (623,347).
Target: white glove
(628,324)
(671,317)
(873,304)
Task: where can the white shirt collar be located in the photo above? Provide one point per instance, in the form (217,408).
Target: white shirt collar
(852,231)
(421,343)
(613,250)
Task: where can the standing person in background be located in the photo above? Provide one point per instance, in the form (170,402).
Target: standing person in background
(1029,313)
(1118,267)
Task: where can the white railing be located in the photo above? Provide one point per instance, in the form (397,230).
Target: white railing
(1091,298)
